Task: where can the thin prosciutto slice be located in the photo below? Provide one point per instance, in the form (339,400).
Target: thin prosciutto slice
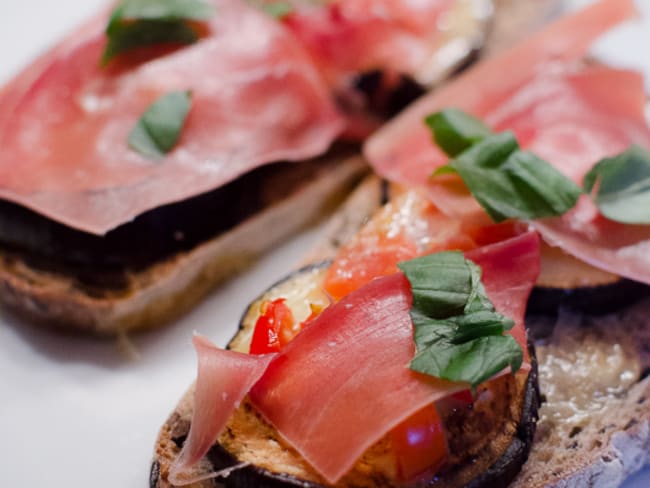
(344,381)
(348,37)
(509,270)
(223,381)
(64,122)
(569,113)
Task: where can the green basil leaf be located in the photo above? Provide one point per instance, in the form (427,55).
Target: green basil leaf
(620,186)
(472,362)
(440,285)
(139,23)
(162,10)
(454,130)
(506,181)
(278,10)
(444,170)
(510,183)
(159,128)
(458,334)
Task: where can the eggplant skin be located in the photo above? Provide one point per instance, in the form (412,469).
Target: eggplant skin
(505,469)
(253,476)
(592,300)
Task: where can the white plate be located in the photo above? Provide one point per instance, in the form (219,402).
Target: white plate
(77,412)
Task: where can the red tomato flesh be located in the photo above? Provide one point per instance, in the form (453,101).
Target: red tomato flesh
(274,327)
(408,227)
(420,444)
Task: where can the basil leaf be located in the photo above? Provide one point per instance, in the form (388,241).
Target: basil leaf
(510,183)
(458,333)
(620,186)
(139,23)
(159,128)
(506,181)
(454,130)
(278,10)
(162,10)
(472,362)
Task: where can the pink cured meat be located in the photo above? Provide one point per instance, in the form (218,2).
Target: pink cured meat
(223,381)
(347,37)
(358,349)
(509,271)
(565,112)
(64,122)
(322,385)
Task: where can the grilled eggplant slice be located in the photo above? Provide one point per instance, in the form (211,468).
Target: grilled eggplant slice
(566,282)
(489,441)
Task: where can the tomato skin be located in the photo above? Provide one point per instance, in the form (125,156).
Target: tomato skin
(273,327)
(464,396)
(364,260)
(407,227)
(420,444)
(276,326)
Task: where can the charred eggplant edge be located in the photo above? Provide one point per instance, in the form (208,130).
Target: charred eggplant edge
(592,300)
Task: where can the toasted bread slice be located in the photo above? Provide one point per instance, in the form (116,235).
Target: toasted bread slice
(594,427)
(45,289)
(46,292)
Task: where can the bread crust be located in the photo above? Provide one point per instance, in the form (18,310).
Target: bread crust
(601,442)
(167,289)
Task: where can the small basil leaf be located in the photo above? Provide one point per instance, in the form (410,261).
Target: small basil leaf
(163,10)
(279,10)
(454,130)
(440,285)
(472,362)
(147,33)
(444,170)
(509,183)
(159,128)
(139,23)
(458,334)
(620,186)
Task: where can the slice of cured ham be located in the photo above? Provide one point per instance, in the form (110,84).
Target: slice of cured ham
(568,113)
(346,374)
(372,51)
(344,381)
(223,381)
(509,270)
(348,37)
(322,394)
(64,122)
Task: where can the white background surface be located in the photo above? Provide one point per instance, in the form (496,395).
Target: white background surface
(77,412)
